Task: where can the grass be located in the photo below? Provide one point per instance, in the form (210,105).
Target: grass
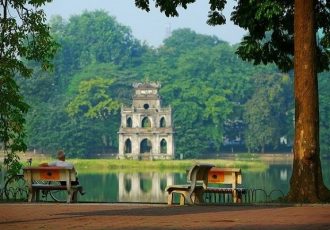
(113,165)
(99,166)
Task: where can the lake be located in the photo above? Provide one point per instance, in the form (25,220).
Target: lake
(149,187)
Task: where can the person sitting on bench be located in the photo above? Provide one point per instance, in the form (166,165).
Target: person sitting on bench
(60,162)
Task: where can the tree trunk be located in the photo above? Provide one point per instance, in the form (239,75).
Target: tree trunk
(306,183)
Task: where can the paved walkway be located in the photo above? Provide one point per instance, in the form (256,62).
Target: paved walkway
(143,216)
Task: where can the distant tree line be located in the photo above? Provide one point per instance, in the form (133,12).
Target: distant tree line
(218,100)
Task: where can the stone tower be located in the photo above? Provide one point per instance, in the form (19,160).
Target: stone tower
(146,130)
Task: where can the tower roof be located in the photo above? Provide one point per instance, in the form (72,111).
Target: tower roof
(147,85)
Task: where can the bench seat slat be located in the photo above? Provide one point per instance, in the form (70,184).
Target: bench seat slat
(225,190)
(182,187)
(210,189)
(54,187)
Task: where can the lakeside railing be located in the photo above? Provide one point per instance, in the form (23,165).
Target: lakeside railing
(248,196)
(17,190)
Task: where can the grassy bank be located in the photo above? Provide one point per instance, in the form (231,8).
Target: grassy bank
(114,165)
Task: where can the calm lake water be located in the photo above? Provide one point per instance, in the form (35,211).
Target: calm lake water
(149,187)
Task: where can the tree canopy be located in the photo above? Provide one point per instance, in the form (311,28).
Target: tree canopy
(203,81)
(24,35)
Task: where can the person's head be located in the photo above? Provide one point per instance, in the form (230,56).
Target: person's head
(61,155)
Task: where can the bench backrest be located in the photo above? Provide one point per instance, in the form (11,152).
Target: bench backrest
(231,176)
(199,173)
(50,173)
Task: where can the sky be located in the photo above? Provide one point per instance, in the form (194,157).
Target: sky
(151,27)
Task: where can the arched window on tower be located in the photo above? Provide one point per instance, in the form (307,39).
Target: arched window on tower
(146,123)
(129,122)
(163,184)
(127,183)
(145,184)
(128,146)
(163,146)
(162,122)
(145,146)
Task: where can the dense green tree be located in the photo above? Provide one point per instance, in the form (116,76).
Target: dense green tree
(206,84)
(79,137)
(199,107)
(267,113)
(23,36)
(293,26)
(46,127)
(40,87)
(112,51)
(95,37)
(182,40)
(93,100)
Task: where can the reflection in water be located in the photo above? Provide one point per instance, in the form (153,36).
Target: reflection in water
(145,184)
(163,184)
(127,183)
(276,177)
(284,174)
(150,187)
(144,187)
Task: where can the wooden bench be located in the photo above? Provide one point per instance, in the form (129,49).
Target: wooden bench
(199,178)
(225,176)
(191,193)
(38,179)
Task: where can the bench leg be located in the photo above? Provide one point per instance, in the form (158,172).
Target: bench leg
(197,197)
(234,195)
(239,197)
(75,197)
(182,199)
(170,198)
(37,195)
(31,195)
(69,197)
(72,196)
